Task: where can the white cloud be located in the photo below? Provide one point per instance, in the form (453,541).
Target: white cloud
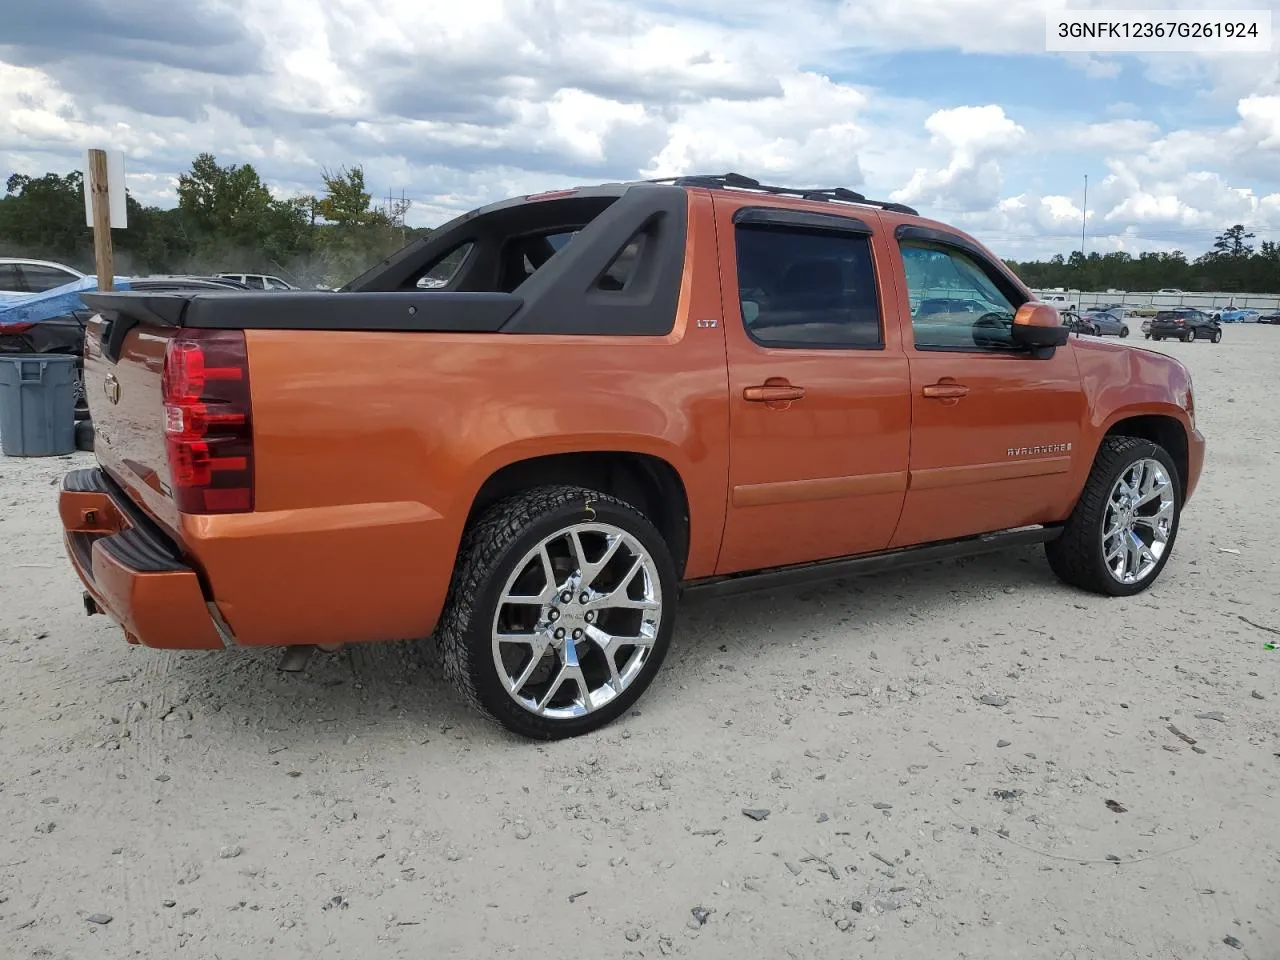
(522,95)
(807,134)
(972,138)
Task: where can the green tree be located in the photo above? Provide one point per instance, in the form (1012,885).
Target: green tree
(346,201)
(1231,242)
(44,216)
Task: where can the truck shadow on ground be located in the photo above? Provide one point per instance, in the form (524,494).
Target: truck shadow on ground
(400,686)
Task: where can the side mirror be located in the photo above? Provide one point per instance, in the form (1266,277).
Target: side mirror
(1038,326)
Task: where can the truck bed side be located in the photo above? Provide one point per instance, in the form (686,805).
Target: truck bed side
(371,445)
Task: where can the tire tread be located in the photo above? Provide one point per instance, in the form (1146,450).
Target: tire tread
(1071,556)
(479,556)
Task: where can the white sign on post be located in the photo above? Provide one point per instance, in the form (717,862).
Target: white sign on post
(115,188)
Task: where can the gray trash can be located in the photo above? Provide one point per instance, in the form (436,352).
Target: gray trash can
(37,404)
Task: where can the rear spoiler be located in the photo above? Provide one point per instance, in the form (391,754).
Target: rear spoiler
(412,311)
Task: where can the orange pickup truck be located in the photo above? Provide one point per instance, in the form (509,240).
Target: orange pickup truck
(529,432)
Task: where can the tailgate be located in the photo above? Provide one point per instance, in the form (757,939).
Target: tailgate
(122,385)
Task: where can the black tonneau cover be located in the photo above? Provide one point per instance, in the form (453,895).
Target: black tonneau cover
(414,311)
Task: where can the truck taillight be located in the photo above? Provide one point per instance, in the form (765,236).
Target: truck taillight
(208,430)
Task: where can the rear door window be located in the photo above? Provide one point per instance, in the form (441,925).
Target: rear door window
(40,278)
(807,288)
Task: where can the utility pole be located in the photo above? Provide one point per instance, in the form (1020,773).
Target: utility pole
(1084,214)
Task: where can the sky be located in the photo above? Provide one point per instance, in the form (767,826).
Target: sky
(952,106)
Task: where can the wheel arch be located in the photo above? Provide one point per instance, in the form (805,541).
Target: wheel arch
(1165,430)
(646,481)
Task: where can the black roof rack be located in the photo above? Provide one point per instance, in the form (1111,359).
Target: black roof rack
(736,181)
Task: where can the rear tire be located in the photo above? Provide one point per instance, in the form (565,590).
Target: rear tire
(1080,555)
(583,565)
(1189,336)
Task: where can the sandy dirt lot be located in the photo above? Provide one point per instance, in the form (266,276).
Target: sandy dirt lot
(212,807)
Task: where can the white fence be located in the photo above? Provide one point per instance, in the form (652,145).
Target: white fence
(1266,303)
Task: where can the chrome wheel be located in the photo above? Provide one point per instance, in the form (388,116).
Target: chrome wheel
(577,621)
(1138,521)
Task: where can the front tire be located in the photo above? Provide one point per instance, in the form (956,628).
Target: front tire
(560,611)
(1217,336)
(1124,332)
(1121,533)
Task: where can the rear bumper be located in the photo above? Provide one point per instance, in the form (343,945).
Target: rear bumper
(131,569)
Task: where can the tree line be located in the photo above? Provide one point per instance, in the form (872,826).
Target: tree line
(226,221)
(1233,265)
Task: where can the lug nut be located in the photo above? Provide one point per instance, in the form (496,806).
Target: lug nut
(560,634)
(554,614)
(590,617)
(585,597)
(577,634)
(567,596)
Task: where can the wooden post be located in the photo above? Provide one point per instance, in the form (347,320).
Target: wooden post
(103,260)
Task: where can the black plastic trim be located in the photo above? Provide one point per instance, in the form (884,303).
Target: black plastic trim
(86,480)
(487,227)
(138,551)
(419,311)
(800,219)
(562,297)
(142,547)
(806,573)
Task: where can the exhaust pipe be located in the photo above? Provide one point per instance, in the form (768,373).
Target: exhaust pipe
(90,605)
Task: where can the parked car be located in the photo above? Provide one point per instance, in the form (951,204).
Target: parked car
(1237,315)
(258,281)
(1106,323)
(1269,318)
(1062,303)
(54,321)
(1079,325)
(259,482)
(19,277)
(1185,324)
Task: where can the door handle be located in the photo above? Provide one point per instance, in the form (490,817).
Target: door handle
(946,390)
(773,392)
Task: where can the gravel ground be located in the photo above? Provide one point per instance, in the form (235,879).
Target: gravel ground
(210,806)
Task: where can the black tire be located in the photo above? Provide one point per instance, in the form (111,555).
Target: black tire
(1124,331)
(1217,337)
(491,548)
(1189,336)
(84,435)
(1076,556)
(1157,339)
